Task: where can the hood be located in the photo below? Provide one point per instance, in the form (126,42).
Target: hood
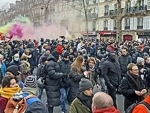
(51,57)
(107,110)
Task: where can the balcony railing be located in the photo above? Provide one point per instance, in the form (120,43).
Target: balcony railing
(105,28)
(106,13)
(127,27)
(140,27)
(129,10)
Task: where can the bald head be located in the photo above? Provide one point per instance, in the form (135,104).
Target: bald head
(102,100)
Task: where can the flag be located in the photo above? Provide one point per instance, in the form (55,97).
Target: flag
(67,35)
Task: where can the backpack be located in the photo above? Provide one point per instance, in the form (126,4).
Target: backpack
(24,68)
(132,106)
(17,104)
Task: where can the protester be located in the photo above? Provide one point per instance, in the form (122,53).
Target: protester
(82,103)
(132,86)
(76,74)
(8,89)
(53,81)
(141,108)
(2,68)
(103,103)
(112,75)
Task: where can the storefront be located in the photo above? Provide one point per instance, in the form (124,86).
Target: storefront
(143,35)
(107,34)
(127,37)
(91,34)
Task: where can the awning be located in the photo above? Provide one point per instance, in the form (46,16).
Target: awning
(107,32)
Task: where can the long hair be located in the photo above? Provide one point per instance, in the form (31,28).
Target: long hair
(78,63)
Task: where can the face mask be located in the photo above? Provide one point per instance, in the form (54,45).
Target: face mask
(16,59)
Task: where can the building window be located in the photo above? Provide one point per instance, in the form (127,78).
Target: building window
(106,25)
(127,23)
(139,23)
(94,26)
(106,10)
(114,24)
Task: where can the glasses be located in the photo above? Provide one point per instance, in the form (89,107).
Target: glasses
(135,70)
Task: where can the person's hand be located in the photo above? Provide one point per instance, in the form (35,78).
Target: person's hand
(142,70)
(143,91)
(86,73)
(138,93)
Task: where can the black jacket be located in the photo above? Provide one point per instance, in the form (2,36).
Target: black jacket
(124,61)
(53,82)
(74,83)
(127,88)
(111,72)
(65,68)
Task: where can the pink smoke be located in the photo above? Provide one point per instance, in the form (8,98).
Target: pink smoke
(16,30)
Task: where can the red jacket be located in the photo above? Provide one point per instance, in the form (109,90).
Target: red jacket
(141,108)
(3,102)
(107,110)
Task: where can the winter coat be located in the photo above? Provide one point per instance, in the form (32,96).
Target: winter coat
(111,72)
(107,110)
(3,102)
(136,55)
(81,104)
(140,108)
(127,88)
(65,68)
(33,59)
(53,82)
(124,61)
(34,105)
(74,83)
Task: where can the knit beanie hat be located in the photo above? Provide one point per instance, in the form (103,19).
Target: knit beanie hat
(139,60)
(13,69)
(85,84)
(30,81)
(59,49)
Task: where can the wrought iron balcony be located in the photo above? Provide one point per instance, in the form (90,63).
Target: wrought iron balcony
(140,27)
(105,28)
(127,27)
(106,13)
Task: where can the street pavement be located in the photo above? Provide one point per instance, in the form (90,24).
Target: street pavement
(120,100)
(57,109)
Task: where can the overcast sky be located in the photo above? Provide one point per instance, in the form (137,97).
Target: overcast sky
(6,2)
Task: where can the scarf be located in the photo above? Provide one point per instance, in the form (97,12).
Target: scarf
(30,91)
(8,92)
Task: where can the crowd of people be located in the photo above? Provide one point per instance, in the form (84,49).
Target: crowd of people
(86,73)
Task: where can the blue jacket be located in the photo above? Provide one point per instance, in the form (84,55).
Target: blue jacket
(3,69)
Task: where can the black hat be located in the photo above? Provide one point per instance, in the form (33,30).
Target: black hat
(30,81)
(13,69)
(85,84)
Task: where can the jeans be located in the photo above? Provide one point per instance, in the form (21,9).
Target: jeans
(63,99)
(40,92)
